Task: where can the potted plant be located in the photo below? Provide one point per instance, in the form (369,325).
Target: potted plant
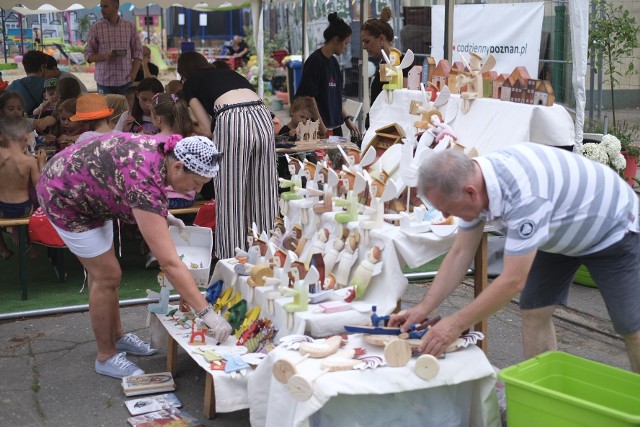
(613,36)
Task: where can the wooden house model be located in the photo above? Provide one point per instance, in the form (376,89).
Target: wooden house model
(544,94)
(441,74)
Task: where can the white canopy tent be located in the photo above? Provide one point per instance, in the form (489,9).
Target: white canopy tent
(578,12)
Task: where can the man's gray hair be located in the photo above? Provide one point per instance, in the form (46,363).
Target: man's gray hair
(12,128)
(446,171)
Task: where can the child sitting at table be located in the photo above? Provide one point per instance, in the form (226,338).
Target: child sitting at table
(69,131)
(302,109)
(47,136)
(48,106)
(12,105)
(18,172)
(138,118)
(92,110)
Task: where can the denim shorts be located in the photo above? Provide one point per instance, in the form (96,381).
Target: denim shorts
(616,271)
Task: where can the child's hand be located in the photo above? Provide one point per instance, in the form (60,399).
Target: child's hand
(49,139)
(128,122)
(41,156)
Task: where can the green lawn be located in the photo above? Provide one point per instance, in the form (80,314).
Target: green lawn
(44,291)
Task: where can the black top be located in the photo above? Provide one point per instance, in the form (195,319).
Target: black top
(210,84)
(153,69)
(243,45)
(322,79)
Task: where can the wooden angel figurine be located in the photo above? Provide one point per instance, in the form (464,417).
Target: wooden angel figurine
(380,193)
(363,274)
(391,72)
(332,253)
(296,181)
(328,178)
(346,259)
(318,244)
(300,290)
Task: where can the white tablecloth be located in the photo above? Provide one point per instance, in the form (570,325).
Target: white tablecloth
(231,393)
(384,290)
(462,394)
(489,125)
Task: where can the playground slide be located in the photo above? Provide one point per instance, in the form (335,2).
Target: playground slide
(157,57)
(72,58)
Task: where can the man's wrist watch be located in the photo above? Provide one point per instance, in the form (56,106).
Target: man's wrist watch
(348,118)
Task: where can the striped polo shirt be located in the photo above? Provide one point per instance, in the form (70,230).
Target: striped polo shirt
(550,199)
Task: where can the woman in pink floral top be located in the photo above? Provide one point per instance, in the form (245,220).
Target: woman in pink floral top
(122,176)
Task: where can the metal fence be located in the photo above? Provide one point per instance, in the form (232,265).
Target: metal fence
(412,25)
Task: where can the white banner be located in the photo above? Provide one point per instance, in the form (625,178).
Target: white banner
(510,32)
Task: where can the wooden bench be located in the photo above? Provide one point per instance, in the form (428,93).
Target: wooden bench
(190,210)
(55,254)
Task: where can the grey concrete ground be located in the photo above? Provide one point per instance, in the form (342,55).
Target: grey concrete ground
(48,377)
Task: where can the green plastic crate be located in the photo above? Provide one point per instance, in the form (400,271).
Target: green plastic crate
(559,389)
(583,277)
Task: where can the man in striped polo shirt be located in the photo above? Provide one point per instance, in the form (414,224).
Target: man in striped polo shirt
(558,210)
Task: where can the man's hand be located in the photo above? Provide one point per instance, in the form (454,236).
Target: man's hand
(440,336)
(220,327)
(408,317)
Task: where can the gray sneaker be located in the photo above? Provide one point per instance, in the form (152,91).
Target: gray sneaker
(118,367)
(133,345)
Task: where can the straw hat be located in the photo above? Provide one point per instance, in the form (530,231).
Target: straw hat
(91,107)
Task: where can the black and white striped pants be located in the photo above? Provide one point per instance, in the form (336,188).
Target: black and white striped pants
(246,185)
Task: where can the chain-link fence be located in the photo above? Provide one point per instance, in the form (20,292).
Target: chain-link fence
(412,25)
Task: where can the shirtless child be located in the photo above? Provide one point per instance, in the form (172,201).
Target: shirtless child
(17,172)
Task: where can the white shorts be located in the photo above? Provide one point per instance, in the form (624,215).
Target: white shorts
(88,244)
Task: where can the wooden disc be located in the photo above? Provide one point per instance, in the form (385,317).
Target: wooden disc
(300,388)
(378,340)
(283,370)
(427,366)
(397,353)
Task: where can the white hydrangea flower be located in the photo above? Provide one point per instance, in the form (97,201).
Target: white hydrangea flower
(595,152)
(611,144)
(618,162)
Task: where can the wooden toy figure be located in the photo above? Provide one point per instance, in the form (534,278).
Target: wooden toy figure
(162,306)
(328,178)
(318,244)
(198,330)
(380,193)
(300,291)
(296,181)
(347,258)
(364,272)
(332,253)
(473,78)
(392,71)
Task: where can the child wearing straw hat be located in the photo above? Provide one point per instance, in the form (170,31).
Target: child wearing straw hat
(93,110)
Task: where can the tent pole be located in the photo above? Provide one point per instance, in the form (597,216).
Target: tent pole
(4,36)
(21,35)
(448,30)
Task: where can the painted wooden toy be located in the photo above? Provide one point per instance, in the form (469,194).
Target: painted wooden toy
(301,387)
(391,72)
(369,267)
(198,330)
(346,259)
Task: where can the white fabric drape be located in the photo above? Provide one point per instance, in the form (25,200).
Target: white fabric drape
(579,18)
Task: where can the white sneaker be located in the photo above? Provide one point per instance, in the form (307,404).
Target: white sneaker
(133,345)
(117,366)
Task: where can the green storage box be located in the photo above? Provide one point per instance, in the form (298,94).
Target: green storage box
(583,277)
(559,389)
